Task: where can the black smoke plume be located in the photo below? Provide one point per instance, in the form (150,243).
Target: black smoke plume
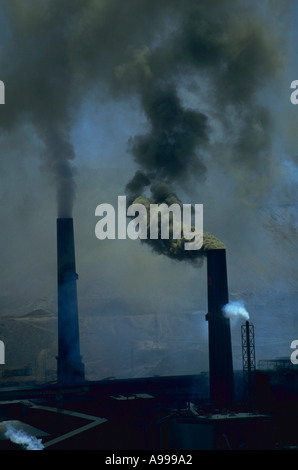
(234,63)
(54,52)
(169,151)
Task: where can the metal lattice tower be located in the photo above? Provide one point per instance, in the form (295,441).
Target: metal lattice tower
(249,363)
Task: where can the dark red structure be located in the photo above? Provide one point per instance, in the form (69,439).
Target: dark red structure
(70,368)
(219,332)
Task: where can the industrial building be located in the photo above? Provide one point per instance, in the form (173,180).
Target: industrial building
(197,412)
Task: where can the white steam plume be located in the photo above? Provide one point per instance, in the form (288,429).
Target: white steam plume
(18,436)
(236,310)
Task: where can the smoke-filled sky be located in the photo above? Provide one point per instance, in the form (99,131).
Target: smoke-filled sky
(113,97)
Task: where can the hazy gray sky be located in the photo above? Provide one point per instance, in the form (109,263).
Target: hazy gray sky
(193,93)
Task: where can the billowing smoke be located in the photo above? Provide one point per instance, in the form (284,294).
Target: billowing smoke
(174,248)
(20,437)
(39,87)
(236,310)
(58,154)
(233,64)
(168,152)
(222,53)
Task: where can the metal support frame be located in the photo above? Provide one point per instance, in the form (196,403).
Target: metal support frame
(249,363)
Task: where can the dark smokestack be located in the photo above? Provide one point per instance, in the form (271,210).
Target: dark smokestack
(220,346)
(70,368)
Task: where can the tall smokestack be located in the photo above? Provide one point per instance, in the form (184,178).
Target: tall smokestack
(70,368)
(220,345)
